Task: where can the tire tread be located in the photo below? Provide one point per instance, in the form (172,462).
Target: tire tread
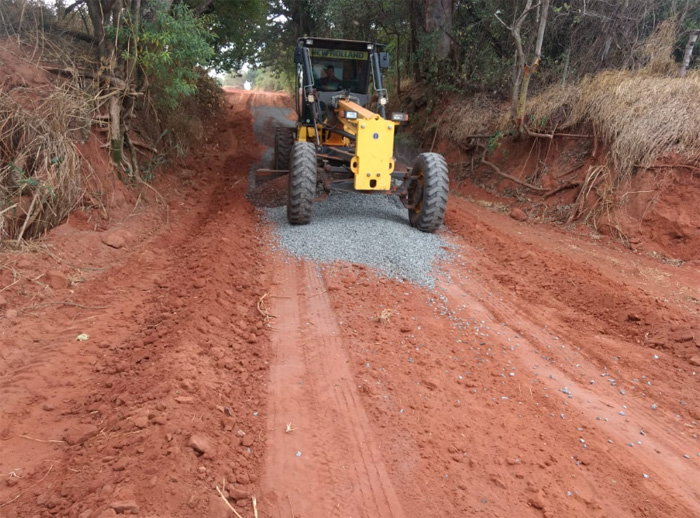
(302,183)
(436,188)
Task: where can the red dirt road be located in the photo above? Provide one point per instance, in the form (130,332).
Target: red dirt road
(553,375)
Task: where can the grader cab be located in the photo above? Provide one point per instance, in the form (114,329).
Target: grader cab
(343,139)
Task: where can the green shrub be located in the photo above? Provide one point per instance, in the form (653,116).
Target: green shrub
(171,46)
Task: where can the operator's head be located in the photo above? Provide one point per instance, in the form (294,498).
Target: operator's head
(330,71)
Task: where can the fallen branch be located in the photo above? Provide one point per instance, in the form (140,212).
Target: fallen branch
(66,303)
(512,178)
(40,440)
(10,285)
(569,185)
(660,166)
(7,209)
(530,133)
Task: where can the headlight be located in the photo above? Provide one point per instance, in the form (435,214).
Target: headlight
(382,101)
(348,115)
(311,98)
(399,117)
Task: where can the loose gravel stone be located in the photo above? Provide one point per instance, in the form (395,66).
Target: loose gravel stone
(366,229)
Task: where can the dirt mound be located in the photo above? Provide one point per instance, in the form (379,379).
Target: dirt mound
(140,390)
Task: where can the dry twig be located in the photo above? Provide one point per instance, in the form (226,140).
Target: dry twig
(228,503)
(263,310)
(30,487)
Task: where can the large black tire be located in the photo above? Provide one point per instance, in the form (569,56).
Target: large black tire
(302,183)
(429,193)
(284,140)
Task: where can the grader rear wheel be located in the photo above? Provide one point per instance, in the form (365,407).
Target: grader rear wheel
(428,194)
(302,183)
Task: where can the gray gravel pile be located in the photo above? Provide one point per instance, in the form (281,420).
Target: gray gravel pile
(366,229)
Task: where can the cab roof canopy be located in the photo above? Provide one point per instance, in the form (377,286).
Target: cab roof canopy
(330,43)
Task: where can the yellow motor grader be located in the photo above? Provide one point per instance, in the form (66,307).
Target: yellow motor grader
(343,139)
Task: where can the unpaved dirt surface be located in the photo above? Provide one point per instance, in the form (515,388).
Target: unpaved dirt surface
(546,373)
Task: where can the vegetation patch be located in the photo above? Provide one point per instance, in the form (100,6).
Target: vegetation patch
(40,167)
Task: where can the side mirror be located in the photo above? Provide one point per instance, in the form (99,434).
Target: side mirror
(384,60)
(298,56)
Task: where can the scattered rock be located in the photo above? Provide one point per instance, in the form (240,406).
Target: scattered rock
(215,321)
(430,385)
(114,240)
(3,302)
(11,314)
(125,507)
(184,399)
(48,407)
(498,481)
(121,464)
(202,444)
(193,500)
(85,514)
(80,434)
(632,317)
(683,336)
(695,360)
(536,501)
(518,214)
(107,513)
(141,421)
(56,279)
(199,283)
(237,492)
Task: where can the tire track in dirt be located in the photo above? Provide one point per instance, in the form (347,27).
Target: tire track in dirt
(536,350)
(340,471)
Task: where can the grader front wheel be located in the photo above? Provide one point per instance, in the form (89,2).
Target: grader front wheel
(284,140)
(428,194)
(302,183)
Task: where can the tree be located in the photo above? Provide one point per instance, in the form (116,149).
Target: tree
(688,54)
(522,71)
(154,46)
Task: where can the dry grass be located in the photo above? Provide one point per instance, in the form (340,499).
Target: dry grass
(478,115)
(41,171)
(643,116)
(658,49)
(554,107)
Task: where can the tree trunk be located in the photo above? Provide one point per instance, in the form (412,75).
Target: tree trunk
(529,71)
(689,51)
(567,58)
(398,66)
(416,23)
(519,62)
(438,21)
